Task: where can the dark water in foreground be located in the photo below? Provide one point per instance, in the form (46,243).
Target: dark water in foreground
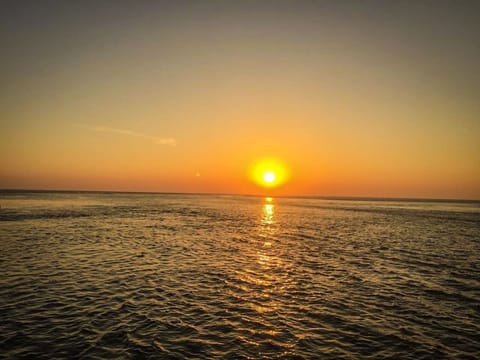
(183,276)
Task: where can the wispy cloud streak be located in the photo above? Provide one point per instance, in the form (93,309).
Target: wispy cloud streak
(155,139)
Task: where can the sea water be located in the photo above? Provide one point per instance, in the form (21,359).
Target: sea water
(108,275)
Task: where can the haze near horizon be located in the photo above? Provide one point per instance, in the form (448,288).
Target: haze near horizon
(336,98)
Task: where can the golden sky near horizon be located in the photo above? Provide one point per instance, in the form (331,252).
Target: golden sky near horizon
(352,98)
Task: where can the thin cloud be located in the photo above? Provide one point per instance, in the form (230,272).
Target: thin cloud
(155,139)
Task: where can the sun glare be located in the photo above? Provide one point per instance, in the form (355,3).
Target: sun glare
(269,173)
(269,177)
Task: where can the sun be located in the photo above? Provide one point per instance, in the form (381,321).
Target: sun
(268,173)
(269,177)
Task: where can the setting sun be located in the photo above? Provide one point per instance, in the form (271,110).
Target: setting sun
(269,173)
(269,177)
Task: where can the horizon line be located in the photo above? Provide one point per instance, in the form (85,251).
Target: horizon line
(325,197)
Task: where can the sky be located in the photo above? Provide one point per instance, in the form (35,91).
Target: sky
(351,98)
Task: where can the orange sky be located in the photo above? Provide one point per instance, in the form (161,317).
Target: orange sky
(354,98)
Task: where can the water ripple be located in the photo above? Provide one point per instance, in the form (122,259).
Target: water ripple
(172,276)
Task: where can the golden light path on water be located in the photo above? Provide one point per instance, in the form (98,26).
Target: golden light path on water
(267,221)
(271,273)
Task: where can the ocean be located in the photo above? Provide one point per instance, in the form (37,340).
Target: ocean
(172,276)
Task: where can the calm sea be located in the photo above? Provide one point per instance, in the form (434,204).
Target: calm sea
(101,275)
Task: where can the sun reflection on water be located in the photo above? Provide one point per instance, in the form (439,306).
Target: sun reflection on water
(267,231)
(268,211)
(264,277)
(267,223)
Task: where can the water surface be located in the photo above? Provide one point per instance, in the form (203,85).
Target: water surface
(95,275)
